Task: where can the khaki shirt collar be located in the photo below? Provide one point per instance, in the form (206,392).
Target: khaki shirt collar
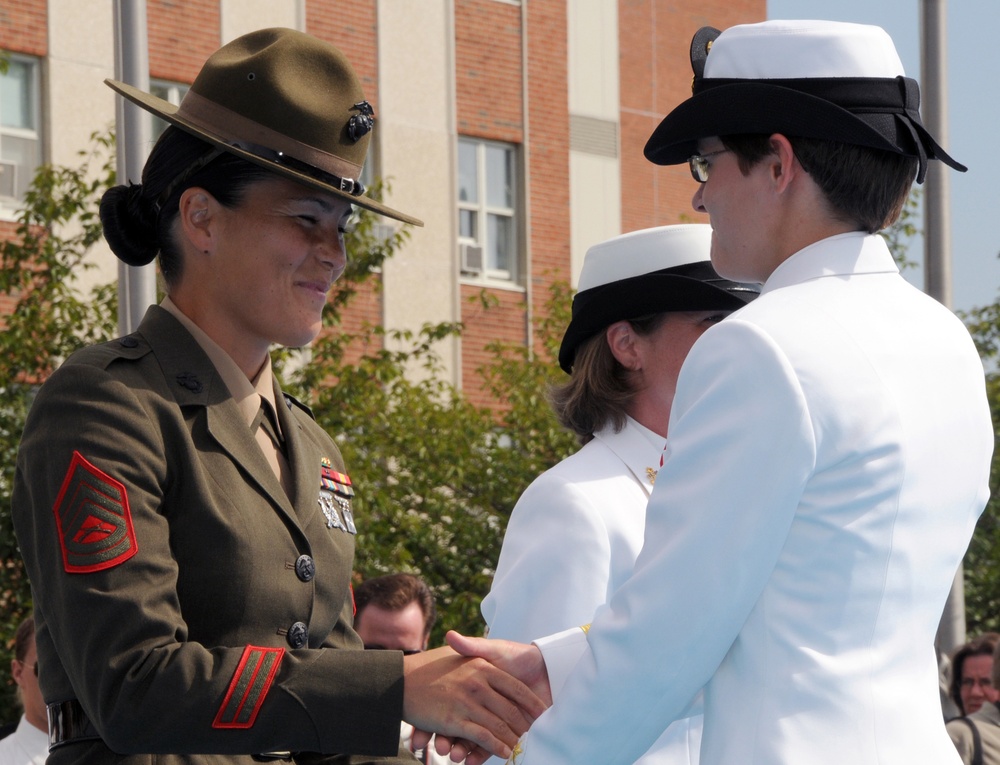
(246,393)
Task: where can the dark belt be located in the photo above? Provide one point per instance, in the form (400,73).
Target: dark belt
(68,723)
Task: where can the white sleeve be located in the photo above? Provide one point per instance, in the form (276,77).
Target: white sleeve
(561,652)
(739,452)
(554,565)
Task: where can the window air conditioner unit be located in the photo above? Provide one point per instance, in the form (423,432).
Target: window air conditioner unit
(8,179)
(470,258)
(383,232)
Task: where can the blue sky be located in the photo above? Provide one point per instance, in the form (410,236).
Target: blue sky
(973,61)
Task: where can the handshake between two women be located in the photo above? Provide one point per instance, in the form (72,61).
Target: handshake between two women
(479,696)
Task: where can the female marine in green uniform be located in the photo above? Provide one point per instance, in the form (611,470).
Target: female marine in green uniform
(187,527)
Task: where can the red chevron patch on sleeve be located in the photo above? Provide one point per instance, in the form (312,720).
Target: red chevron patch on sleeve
(93,519)
(249,687)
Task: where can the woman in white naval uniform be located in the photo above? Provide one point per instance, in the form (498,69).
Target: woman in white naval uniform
(572,539)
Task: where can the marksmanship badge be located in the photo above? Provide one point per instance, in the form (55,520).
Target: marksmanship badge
(336,492)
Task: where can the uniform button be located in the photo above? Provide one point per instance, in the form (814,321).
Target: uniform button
(305,568)
(129,342)
(298,635)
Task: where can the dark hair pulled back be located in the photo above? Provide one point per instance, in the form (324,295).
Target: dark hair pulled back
(23,636)
(600,388)
(138,218)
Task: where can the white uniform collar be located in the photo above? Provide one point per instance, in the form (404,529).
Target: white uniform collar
(852,253)
(638,447)
(35,742)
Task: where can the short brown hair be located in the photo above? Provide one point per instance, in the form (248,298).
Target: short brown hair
(23,637)
(864,187)
(996,666)
(983,645)
(394,592)
(599,389)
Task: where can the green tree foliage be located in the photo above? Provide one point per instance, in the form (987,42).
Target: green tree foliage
(899,235)
(49,321)
(982,562)
(436,476)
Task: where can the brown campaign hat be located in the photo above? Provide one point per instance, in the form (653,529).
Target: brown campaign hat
(284,100)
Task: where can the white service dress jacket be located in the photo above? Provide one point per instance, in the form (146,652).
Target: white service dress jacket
(828,459)
(27,745)
(571,541)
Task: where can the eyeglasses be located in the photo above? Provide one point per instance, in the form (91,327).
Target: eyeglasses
(404,651)
(699,164)
(34,667)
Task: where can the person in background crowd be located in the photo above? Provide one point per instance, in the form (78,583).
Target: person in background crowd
(972,682)
(644,299)
(396,612)
(29,743)
(949,709)
(187,527)
(977,735)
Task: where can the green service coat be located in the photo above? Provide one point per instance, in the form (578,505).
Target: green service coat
(195,611)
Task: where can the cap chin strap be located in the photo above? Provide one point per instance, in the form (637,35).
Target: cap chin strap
(184,174)
(351,186)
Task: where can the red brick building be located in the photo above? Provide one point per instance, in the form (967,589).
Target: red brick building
(513,128)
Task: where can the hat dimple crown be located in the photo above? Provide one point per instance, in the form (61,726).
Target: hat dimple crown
(290,83)
(286,101)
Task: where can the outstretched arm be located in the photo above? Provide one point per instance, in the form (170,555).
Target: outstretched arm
(523,667)
(523,661)
(485,702)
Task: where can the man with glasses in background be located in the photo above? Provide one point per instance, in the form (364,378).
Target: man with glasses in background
(396,612)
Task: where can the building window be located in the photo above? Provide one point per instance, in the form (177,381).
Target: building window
(20,131)
(487,204)
(173,92)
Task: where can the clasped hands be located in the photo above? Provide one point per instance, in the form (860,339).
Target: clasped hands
(479,696)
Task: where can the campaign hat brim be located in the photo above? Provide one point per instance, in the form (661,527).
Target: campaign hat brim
(169,113)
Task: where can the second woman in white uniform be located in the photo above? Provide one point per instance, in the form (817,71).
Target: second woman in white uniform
(643,300)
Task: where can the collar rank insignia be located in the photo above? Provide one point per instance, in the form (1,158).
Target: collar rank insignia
(335,491)
(651,475)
